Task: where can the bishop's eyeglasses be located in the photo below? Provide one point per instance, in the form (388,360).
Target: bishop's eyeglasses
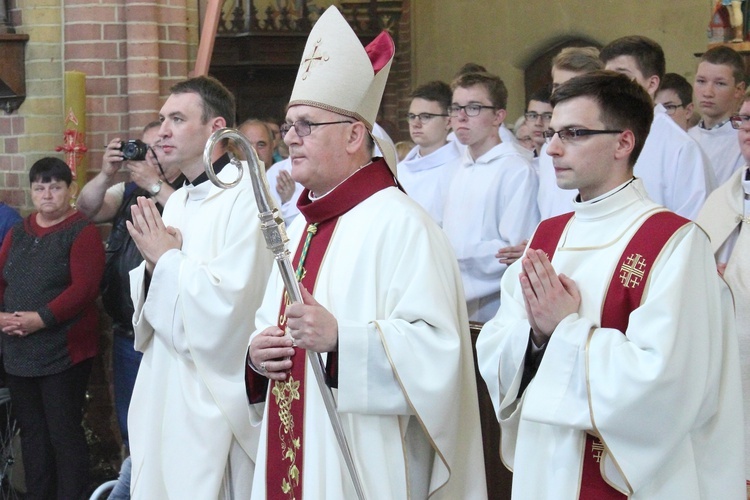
(304,127)
(571,134)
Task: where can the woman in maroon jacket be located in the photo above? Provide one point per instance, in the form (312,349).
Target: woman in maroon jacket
(52,263)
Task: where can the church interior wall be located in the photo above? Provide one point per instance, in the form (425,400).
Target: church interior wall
(133,52)
(506,35)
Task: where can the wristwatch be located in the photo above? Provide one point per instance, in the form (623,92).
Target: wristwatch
(156,187)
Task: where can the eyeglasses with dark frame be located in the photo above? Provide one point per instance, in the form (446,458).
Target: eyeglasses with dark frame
(304,127)
(738,121)
(422,117)
(571,133)
(469,109)
(671,108)
(534,116)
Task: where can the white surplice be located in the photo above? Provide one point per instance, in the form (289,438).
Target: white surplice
(722,147)
(188,416)
(664,396)
(491,204)
(426,179)
(506,136)
(674,169)
(407,391)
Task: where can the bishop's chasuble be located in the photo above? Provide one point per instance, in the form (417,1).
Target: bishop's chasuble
(403,373)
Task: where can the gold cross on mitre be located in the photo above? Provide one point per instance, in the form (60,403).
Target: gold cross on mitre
(315,57)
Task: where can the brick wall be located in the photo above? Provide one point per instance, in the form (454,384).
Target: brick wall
(131,52)
(29,129)
(395,97)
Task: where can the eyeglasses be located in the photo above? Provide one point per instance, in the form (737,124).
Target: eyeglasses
(671,108)
(422,117)
(739,121)
(534,116)
(571,134)
(469,109)
(304,127)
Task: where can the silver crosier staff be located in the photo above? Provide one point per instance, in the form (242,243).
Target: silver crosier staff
(274,231)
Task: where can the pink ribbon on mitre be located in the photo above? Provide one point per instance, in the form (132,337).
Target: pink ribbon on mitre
(380,51)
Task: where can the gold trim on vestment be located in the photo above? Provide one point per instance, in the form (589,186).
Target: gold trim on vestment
(438,452)
(596,432)
(561,246)
(666,244)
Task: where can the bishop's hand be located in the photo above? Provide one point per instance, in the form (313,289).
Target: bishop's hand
(311,325)
(270,351)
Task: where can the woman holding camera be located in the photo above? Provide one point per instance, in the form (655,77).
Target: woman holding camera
(52,262)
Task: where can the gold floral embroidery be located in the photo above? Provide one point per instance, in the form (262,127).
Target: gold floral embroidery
(282,316)
(285,394)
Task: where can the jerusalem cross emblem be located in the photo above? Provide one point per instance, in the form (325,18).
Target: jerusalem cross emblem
(632,270)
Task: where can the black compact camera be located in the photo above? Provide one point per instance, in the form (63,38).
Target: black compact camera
(134,149)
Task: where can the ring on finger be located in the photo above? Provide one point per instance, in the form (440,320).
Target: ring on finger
(263,366)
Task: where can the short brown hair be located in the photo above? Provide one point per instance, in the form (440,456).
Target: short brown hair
(680,86)
(216,99)
(495,87)
(648,55)
(623,103)
(578,59)
(726,57)
(436,91)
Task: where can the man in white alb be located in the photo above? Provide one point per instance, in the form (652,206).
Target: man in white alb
(718,88)
(674,169)
(426,171)
(612,363)
(195,296)
(491,203)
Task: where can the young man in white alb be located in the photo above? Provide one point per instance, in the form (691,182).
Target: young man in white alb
(673,167)
(492,199)
(718,88)
(612,363)
(426,171)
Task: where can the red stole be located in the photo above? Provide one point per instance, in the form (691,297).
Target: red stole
(623,297)
(286,400)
